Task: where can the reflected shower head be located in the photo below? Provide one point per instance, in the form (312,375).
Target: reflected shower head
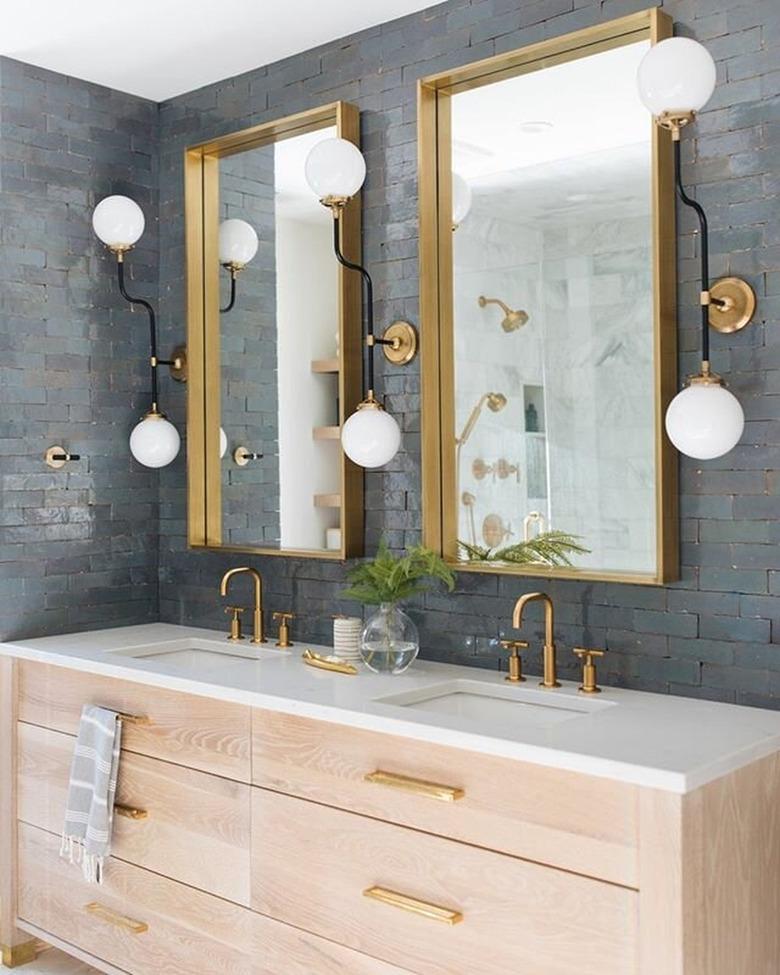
(495,401)
(513,319)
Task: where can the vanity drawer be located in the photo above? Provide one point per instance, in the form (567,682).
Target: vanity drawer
(312,864)
(193,731)
(578,822)
(281,949)
(196,827)
(143,924)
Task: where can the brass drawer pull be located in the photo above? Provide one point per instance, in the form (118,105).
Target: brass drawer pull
(138,719)
(119,920)
(130,812)
(433,790)
(432,911)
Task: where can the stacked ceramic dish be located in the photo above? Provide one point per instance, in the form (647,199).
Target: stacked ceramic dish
(346,637)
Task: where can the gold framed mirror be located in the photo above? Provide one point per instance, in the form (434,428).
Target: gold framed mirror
(547,267)
(274,345)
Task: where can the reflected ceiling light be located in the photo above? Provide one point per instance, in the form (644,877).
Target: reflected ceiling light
(335,171)
(237,246)
(461,200)
(535,127)
(119,222)
(675,79)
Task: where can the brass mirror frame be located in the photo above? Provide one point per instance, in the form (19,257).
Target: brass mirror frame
(436,284)
(204,466)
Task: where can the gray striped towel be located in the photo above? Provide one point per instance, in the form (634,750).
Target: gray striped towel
(86,838)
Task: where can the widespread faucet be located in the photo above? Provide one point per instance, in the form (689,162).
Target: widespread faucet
(550,666)
(259,629)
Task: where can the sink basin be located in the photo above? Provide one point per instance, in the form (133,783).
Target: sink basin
(187,656)
(507,704)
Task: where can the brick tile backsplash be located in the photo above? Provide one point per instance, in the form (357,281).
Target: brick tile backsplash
(104,542)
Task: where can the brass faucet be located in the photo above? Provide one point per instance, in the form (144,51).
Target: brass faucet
(259,630)
(550,669)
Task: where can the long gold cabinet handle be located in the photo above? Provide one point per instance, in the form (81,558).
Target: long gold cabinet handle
(136,719)
(130,812)
(432,790)
(118,920)
(433,912)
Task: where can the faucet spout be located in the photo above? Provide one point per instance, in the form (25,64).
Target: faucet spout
(259,629)
(550,660)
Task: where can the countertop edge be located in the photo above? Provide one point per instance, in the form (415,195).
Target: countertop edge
(638,775)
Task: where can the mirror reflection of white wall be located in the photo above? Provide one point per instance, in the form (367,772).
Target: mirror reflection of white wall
(307,314)
(286,316)
(559,164)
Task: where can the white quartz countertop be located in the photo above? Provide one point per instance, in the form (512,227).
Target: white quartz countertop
(671,743)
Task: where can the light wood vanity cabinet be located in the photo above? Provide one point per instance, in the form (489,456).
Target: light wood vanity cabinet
(265,831)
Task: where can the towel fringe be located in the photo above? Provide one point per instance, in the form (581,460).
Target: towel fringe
(73,850)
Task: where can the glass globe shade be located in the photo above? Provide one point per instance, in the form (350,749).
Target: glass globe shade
(371,437)
(676,75)
(461,199)
(237,242)
(705,421)
(223,443)
(335,167)
(118,221)
(155,441)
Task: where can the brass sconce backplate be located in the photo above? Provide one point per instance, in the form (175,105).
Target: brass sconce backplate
(739,308)
(403,337)
(178,367)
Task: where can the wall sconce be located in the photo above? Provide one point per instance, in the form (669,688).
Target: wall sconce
(335,171)
(119,222)
(237,246)
(676,78)
(512,319)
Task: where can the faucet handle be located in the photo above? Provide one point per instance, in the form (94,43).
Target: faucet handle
(235,622)
(284,628)
(514,647)
(586,655)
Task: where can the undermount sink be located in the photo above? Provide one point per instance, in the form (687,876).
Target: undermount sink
(508,704)
(200,654)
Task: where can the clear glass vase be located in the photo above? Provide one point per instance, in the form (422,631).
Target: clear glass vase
(389,641)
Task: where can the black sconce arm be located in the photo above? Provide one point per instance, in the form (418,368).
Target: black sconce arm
(232,301)
(704,250)
(154,361)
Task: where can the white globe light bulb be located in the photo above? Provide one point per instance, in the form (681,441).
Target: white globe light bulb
(155,441)
(677,76)
(237,242)
(461,199)
(118,221)
(223,443)
(335,168)
(705,420)
(371,437)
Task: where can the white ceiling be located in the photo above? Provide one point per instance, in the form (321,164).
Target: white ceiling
(161,48)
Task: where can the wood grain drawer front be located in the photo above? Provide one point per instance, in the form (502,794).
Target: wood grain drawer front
(577,822)
(196,732)
(189,825)
(140,922)
(311,866)
(281,949)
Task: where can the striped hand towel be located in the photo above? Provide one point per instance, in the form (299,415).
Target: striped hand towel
(86,838)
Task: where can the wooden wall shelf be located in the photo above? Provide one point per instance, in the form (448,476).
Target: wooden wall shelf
(325,365)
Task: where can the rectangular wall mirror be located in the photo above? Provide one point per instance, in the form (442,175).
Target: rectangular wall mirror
(547,272)
(274,345)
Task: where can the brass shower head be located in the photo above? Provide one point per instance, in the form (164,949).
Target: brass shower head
(513,319)
(496,402)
